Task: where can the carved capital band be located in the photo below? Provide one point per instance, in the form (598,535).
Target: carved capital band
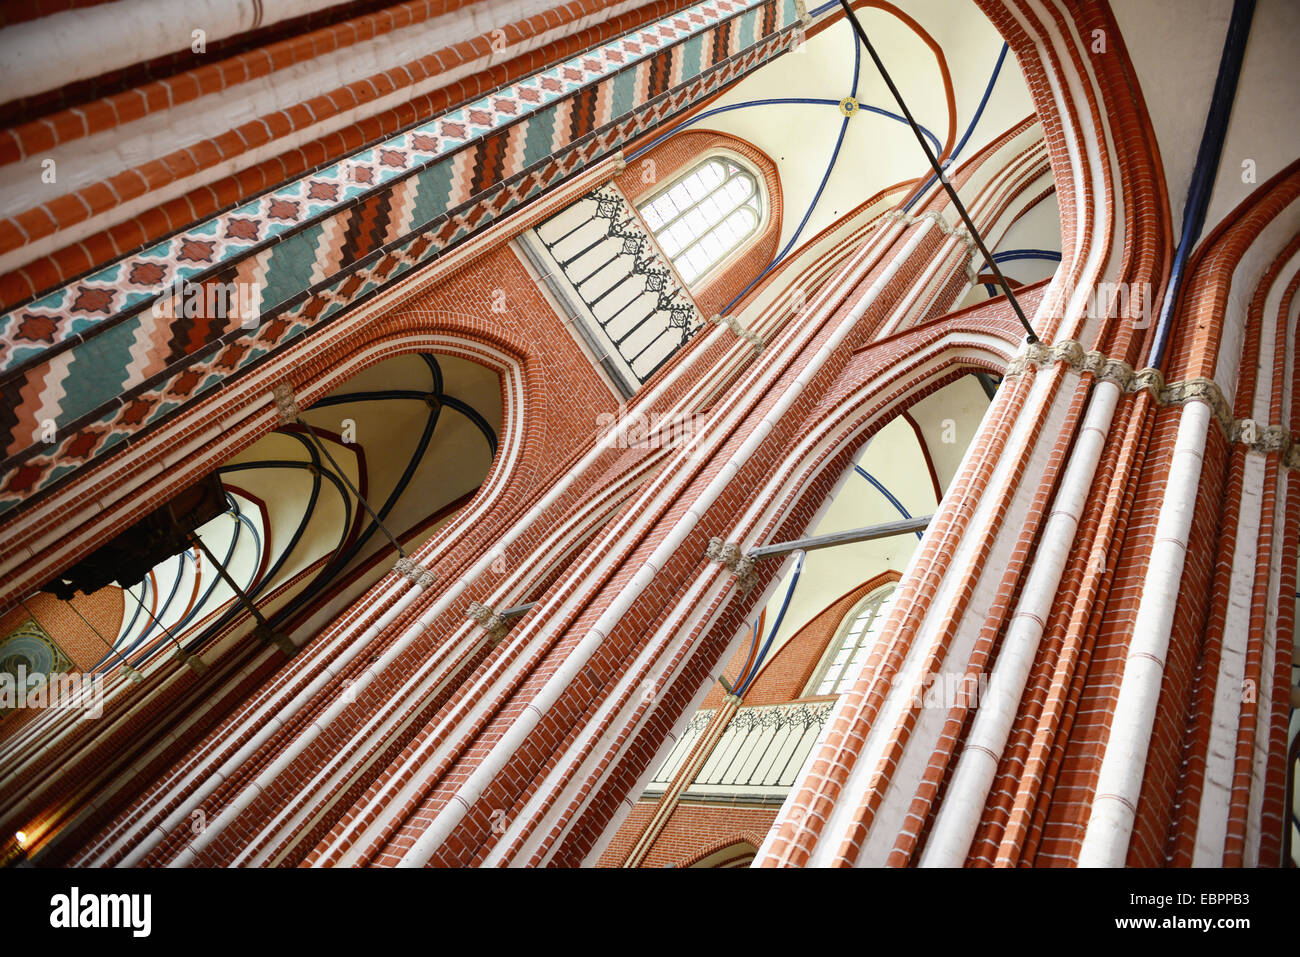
(489,620)
(414,572)
(732,323)
(729,555)
(1247,432)
(285,404)
(959,232)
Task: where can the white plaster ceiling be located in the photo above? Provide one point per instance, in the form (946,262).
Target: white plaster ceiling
(1039,228)
(1175,46)
(877,151)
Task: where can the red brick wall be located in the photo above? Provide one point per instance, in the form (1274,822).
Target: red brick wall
(78,641)
(693,831)
(562,395)
(103,610)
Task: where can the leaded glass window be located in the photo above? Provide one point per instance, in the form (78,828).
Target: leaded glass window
(857,634)
(705,216)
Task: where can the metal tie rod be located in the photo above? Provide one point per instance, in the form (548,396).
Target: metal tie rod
(938,172)
(870,533)
(338,469)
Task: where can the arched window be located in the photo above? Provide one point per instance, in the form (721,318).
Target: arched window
(852,644)
(705,215)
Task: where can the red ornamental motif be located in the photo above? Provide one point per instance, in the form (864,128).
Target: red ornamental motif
(135,413)
(351,285)
(529,94)
(552,84)
(185,382)
(362,174)
(147,274)
(229,359)
(36,328)
(425,143)
(242,229)
(197,250)
(24,478)
(418,247)
(319,190)
(273,330)
(82,445)
(392,158)
(505,106)
(481,117)
(282,209)
(454,130)
(93,300)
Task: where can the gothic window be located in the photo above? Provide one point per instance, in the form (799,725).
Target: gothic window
(852,644)
(705,216)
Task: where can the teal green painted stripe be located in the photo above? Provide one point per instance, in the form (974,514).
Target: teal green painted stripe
(113,439)
(692,57)
(290,267)
(433,192)
(97,371)
(541,132)
(161,411)
(624,90)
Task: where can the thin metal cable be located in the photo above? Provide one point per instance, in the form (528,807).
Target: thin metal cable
(352,488)
(938,172)
(154,618)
